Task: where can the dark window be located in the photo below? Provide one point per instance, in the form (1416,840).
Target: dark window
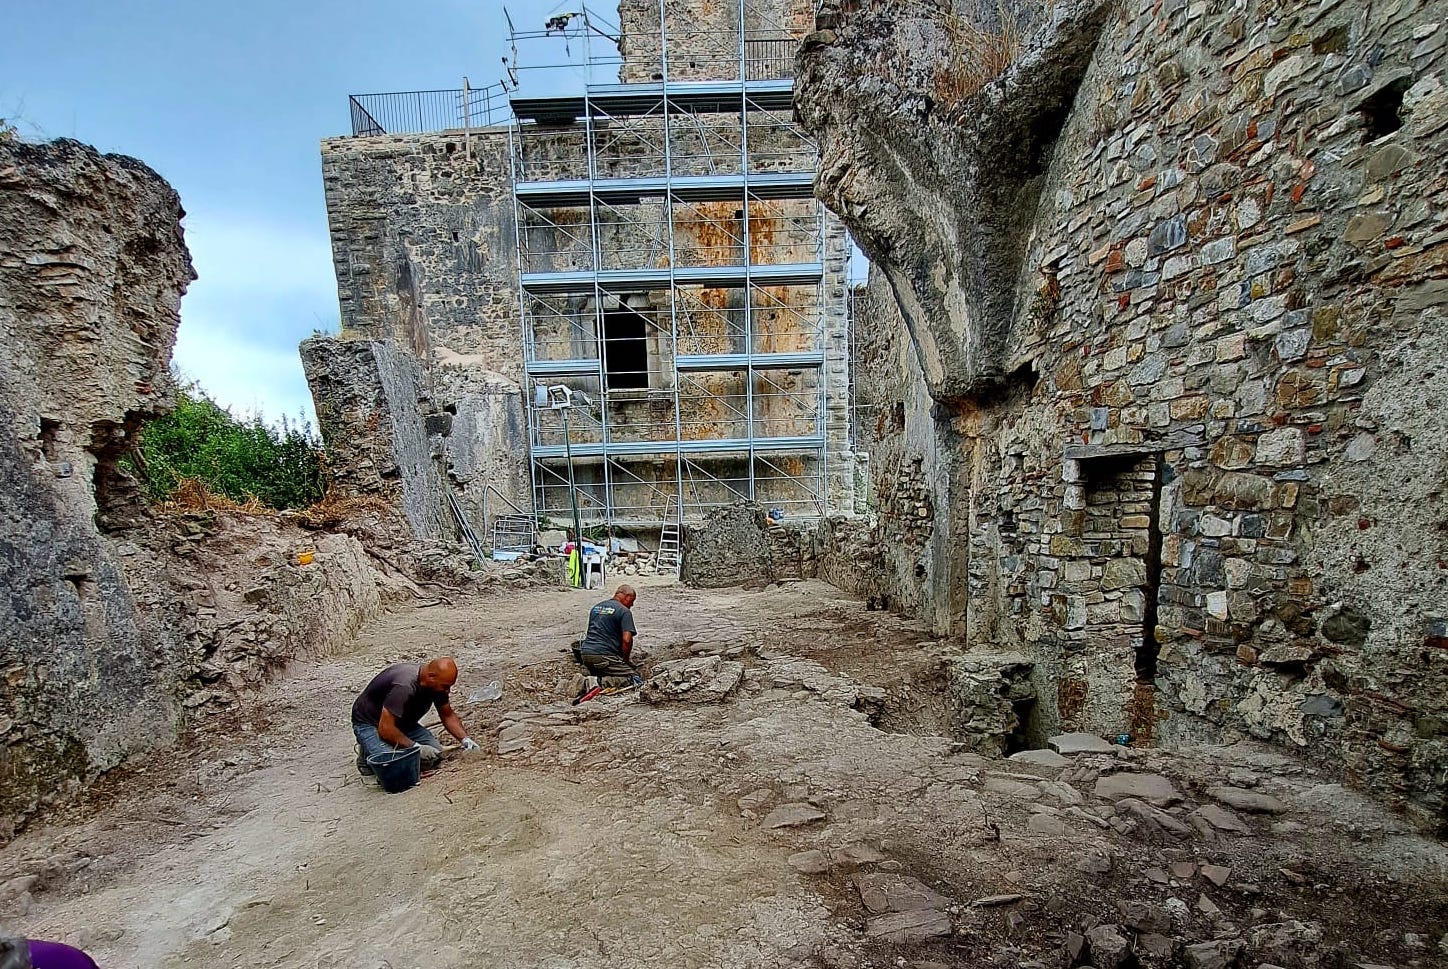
(49,430)
(626,350)
(1382,111)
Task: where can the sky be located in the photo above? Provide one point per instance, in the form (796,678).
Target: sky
(228,101)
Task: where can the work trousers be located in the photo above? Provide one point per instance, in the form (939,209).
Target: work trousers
(610,668)
(372,743)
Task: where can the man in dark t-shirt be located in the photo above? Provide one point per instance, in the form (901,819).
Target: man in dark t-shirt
(387,716)
(605,648)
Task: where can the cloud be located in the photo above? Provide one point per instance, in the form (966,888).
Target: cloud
(262,287)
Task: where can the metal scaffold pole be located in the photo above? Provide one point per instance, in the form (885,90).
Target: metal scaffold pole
(749,403)
(673,263)
(696,192)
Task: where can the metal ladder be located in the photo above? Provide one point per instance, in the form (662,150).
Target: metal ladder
(467,530)
(670,535)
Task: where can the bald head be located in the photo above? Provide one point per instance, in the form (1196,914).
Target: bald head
(438,674)
(626,595)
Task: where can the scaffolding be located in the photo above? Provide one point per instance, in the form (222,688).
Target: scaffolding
(672,272)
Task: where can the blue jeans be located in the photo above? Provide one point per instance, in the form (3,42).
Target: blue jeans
(372,743)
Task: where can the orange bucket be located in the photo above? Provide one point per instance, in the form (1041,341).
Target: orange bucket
(305,558)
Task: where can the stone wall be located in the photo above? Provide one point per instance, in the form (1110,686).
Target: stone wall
(370,406)
(425,253)
(896,554)
(1204,275)
(92,268)
(738,545)
(114,625)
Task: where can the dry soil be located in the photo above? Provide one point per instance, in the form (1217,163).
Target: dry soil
(797,822)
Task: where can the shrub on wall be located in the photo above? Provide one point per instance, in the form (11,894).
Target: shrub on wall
(243,460)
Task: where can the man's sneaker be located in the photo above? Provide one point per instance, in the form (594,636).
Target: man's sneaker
(363,768)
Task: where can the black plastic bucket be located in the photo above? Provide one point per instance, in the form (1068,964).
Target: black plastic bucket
(397,770)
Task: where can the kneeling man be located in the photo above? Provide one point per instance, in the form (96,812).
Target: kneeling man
(388,713)
(605,648)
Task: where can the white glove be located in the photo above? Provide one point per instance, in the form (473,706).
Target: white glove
(470,745)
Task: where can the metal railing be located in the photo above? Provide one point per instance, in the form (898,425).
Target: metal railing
(769,58)
(419,112)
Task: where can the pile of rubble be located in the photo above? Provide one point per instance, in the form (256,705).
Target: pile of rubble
(640,562)
(703,679)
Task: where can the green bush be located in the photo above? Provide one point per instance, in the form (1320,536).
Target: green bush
(241,460)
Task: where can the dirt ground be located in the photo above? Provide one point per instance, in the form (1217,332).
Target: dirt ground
(778,827)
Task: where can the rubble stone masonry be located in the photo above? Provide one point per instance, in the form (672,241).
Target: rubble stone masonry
(425,254)
(1189,454)
(118,625)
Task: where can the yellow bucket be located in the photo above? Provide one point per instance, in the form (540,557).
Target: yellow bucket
(305,558)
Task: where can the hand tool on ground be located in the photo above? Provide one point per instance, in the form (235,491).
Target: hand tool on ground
(588,696)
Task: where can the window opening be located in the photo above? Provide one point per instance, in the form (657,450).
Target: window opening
(626,350)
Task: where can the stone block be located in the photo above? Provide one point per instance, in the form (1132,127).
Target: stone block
(1124,574)
(904,928)
(1071,744)
(811,862)
(882,892)
(1281,447)
(1244,492)
(1046,824)
(1153,788)
(793,815)
(1167,235)
(1253,802)
(1040,758)
(1221,954)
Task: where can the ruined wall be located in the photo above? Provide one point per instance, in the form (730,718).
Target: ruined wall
(424,249)
(92,268)
(905,561)
(114,623)
(370,405)
(738,545)
(1175,282)
(424,246)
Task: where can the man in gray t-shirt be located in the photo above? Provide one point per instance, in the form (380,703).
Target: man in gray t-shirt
(605,648)
(387,714)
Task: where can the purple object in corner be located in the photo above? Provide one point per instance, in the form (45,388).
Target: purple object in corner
(54,955)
